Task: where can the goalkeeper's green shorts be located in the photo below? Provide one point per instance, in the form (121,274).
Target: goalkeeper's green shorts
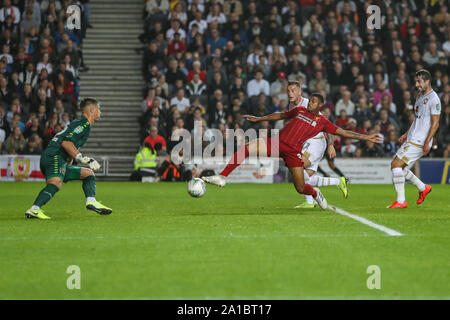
(55,166)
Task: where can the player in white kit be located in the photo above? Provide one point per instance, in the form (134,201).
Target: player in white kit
(417,141)
(312,152)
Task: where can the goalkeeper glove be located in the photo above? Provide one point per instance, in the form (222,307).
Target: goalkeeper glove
(93,164)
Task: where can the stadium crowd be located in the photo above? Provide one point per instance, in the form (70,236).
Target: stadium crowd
(215,61)
(40,62)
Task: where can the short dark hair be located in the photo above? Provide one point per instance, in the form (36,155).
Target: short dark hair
(294,83)
(86,102)
(424,74)
(319,96)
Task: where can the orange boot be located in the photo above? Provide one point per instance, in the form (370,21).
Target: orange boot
(423,194)
(398,205)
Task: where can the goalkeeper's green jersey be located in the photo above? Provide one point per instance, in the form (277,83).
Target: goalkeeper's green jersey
(77,132)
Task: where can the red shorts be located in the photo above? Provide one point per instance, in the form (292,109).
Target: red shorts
(292,158)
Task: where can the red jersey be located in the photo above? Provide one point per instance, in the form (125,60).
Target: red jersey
(158,138)
(304,125)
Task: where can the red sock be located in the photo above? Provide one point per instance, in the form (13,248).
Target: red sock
(238,158)
(309,190)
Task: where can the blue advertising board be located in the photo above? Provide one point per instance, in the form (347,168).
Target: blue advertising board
(435,171)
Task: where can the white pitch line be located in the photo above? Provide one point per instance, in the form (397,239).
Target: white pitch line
(365,221)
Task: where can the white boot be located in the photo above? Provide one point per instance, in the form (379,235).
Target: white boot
(218,180)
(321,199)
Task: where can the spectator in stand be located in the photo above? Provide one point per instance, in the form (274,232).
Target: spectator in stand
(215,41)
(372,150)
(15,143)
(35,128)
(432,55)
(391,143)
(44,64)
(197,87)
(343,119)
(199,21)
(348,149)
(216,15)
(175,28)
(178,13)
(155,138)
(176,46)
(386,103)
(275,87)
(196,68)
(258,85)
(9,10)
(385,121)
(345,103)
(180,101)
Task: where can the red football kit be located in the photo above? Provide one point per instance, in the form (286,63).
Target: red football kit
(303,126)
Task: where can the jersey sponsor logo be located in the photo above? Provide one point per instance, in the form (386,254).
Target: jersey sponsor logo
(78,129)
(438,107)
(307,120)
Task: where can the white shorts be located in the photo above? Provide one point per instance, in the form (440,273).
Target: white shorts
(314,150)
(2,135)
(409,152)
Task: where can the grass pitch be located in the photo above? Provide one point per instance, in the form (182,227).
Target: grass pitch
(243,241)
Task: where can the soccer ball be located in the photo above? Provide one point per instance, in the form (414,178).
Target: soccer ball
(196,187)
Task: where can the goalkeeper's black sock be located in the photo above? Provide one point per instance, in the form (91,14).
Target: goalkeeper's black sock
(45,195)
(89,186)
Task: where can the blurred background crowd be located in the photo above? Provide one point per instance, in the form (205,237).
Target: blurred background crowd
(215,61)
(40,61)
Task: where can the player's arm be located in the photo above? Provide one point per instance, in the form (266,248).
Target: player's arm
(402,139)
(270,117)
(70,148)
(330,143)
(353,135)
(433,129)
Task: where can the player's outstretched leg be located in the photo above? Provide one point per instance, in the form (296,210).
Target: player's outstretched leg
(423,188)
(47,193)
(89,188)
(307,189)
(309,200)
(238,157)
(398,179)
(341,183)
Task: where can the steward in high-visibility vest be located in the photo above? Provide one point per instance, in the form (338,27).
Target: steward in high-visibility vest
(145,159)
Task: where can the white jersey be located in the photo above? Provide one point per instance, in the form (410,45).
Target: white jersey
(304,103)
(426,105)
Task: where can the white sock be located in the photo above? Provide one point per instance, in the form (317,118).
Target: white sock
(319,181)
(399,183)
(413,179)
(309,199)
(91,199)
(34,207)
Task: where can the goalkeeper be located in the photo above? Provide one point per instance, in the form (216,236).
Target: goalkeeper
(57,158)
